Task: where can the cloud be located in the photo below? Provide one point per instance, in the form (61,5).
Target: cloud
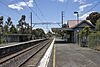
(14,6)
(75,0)
(83,17)
(20,5)
(79,1)
(84,6)
(61,0)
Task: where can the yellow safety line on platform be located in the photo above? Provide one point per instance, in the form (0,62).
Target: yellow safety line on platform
(54,58)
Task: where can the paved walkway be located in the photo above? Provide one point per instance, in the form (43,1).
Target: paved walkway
(71,55)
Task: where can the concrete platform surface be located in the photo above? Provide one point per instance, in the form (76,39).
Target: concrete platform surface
(7,44)
(71,55)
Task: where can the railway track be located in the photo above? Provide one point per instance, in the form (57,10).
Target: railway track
(21,58)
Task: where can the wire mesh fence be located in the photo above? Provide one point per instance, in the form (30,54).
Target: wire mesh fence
(93,40)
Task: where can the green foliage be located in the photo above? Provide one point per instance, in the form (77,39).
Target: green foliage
(85,32)
(9,22)
(93,17)
(1,28)
(1,17)
(13,30)
(81,34)
(1,41)
(94,37)
(5,29)
(22,26)
(1,21)
(98,25)
(38,33)
(9,28)
(49,34)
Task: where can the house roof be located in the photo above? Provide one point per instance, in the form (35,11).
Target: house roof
(84,21)
(70,29)
(73,23)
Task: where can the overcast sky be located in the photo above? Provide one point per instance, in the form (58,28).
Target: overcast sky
(47,10)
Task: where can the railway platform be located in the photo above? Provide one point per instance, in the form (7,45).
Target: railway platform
(71,55)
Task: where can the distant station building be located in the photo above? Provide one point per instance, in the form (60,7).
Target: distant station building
(73,27)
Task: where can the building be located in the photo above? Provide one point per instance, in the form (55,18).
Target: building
(73,27)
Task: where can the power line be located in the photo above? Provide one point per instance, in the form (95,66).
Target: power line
(66,9)
(16,1)
(7,7)
(5,15)
(39,8)
(66,6)
(32,11)
(93,7)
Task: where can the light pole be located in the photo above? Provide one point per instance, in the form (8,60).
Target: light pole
(62,17)
(77,23)
(77,16)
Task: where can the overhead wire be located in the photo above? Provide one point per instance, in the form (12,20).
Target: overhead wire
(4,15)
(8,7)
(32,11)
(39,9)
(66,8)
(93,7)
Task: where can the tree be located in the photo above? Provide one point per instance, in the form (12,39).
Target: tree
(21,24)
(13,29)
(5,29)
(41,32)
(27,29)
(64,26)
(8,25)
(93,17)
(1,28)
(49,34)
(84,34)
(98,25)
(1,21)
(1,24)
(9,22)
(38,33)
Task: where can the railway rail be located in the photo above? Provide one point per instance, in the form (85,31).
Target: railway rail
(21,57)
(11,49)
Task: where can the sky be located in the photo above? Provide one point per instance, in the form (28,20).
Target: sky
(47,10)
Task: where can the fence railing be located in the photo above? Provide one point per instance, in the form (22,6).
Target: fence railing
(91,41)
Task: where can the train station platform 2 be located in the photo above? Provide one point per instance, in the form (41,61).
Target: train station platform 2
(72,55)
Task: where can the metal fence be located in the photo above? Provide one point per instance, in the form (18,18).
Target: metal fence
(93,40)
